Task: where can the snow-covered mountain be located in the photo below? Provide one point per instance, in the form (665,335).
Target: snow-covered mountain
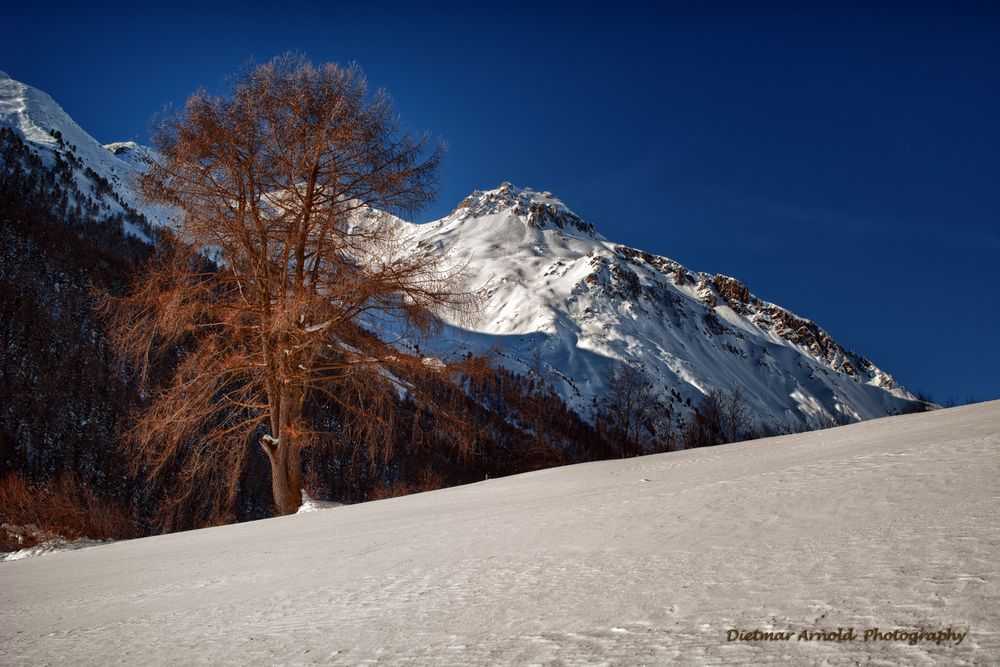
(559,292)
(561,298)
(104,174)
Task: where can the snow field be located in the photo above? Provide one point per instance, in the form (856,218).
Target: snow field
(888,523)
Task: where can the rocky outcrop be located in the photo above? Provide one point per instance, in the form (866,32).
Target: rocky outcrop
(540,209)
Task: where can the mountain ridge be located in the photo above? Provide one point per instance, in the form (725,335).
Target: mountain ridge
(42,123)
(562,294)
(556,284)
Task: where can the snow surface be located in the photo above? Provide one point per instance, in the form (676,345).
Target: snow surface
(312,505)
(50,547)
(890,523)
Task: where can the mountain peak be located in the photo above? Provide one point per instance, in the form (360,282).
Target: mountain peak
(131,152)
(541,210)
(122,147)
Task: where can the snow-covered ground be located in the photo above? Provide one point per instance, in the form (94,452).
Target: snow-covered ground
(50,546)
(888,524)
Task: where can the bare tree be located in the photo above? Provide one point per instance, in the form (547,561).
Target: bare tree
(282,182)
(630,415)
(720,418)
(738,421)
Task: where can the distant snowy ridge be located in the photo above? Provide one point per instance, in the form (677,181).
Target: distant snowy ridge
(43,125)
(560,293)
(135,154)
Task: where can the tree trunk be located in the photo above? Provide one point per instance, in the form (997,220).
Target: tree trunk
(286,476)
(284,454)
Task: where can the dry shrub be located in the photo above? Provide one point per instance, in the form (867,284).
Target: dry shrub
(64,507)
(428,481)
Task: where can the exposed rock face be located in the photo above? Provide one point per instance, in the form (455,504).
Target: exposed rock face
(540,210)
(797,331)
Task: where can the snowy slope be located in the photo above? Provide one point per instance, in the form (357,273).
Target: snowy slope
(558,286)
(889,523)
(36,117)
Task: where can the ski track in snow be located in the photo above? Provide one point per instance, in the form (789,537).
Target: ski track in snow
(889,523)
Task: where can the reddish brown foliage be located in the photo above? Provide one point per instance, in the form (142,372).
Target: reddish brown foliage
(66,507)
(428,481)
(282,180)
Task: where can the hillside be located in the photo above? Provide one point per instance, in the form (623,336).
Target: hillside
(889,524)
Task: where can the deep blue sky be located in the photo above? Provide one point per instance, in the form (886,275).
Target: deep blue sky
(843,162)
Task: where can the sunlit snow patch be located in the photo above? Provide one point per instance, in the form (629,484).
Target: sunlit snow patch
(310,505)
(51,543)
